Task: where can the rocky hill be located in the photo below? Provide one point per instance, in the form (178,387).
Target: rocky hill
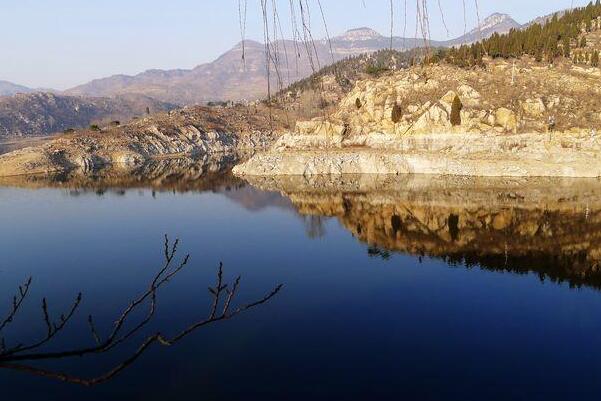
(504,120)
(229,78)
(38,114)
(190,132)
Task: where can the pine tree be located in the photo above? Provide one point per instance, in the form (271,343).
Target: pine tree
(358,103)
(556,38)
(456,111)
(595,59)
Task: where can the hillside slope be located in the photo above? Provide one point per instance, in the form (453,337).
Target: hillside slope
(38,114)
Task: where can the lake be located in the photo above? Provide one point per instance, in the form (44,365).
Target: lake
(426,288)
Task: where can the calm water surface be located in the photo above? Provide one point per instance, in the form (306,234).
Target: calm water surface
(429,288)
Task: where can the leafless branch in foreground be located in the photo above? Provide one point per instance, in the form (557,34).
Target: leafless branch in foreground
(19,357)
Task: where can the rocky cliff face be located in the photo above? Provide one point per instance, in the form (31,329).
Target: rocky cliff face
(510,120)
(39,114)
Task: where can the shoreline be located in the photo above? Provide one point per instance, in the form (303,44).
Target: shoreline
(571,154)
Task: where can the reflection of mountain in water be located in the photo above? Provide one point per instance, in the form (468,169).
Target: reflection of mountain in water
(548,226)
(211,173)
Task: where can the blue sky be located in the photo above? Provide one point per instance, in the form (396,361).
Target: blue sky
(62,43)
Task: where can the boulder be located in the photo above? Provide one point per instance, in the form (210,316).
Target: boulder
(506,119)
(447,100)
(435,117)
(469,96)
(534,108)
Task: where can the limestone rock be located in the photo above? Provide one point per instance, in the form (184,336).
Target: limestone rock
(447,100)
(469,96)
(320,127)
(434,118)
(506,119)
(534,107)
(483,154)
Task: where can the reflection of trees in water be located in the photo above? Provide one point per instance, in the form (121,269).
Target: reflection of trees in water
(127,325)
(314,226)
(375,252)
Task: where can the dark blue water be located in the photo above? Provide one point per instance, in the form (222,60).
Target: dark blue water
(359,317)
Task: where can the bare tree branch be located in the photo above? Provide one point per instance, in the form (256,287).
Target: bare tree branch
(17,301)
(20,356)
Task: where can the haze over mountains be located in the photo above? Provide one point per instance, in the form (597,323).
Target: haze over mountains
(229,78)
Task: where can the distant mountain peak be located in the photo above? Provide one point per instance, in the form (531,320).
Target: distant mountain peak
(498,22)
(248,43)
(494,23)
(362,33)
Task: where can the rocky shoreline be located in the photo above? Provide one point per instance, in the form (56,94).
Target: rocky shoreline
(573,154)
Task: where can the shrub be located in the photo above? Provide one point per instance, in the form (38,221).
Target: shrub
(397,113)
(358,103)
(69,131)
(115,123)
(94,127)
(456,111)
(375,69)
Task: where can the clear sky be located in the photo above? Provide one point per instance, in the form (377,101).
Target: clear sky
(63,43)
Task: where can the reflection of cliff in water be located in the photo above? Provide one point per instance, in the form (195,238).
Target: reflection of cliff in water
(175,174)
(210,173)
(548,226)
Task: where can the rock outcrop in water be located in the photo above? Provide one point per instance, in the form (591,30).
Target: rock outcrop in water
(524,121)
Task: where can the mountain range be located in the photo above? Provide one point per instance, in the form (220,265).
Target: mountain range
(231,78)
